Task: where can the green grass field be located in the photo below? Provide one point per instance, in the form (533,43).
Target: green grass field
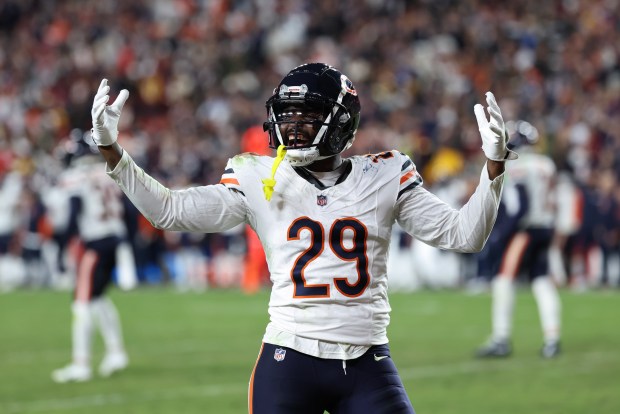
(193,353)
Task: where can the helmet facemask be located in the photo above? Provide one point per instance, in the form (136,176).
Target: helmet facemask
(319,106)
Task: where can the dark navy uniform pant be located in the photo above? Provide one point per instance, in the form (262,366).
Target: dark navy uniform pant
(94,272)
(285,381)
(527,253)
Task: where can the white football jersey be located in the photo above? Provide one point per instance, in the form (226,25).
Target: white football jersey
(101,215)
(327,248)
(536,172)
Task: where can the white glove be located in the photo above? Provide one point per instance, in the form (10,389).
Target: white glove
(105,117)
(493,132)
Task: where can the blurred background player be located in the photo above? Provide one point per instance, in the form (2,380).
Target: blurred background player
(96,218)
(55,251)
(592,250)
(34,233)
(527,250)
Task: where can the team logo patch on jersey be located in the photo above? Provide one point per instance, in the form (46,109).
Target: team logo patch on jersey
(321,200)
(279,354)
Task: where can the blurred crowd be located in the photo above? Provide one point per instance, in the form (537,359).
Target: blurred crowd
(199,72)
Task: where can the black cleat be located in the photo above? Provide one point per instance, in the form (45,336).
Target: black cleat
(550,350)
(495,349)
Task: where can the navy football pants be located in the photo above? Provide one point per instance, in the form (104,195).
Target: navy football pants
(94,272)
(285,381)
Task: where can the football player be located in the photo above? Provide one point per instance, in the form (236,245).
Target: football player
(96,217)
(324,222)
(527,250)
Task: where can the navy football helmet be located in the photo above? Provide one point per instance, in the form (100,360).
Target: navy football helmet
(321,96)
(522,134)
(77,147)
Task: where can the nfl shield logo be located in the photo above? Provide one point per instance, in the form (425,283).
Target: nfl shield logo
(279,354)
(321,200)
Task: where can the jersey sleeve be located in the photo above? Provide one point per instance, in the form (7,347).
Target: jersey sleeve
(229,179)
(208,209)
(431,220)
(409,176)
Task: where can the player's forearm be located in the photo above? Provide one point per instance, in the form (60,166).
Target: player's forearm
(434,222)
(112,154)
(478,215)
(205,209)
(149,196)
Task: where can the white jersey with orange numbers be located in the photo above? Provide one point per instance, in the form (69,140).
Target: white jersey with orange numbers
(536,172)
(101,214)
(327,248)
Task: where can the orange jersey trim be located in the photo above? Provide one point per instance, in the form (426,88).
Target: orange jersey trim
(251,386)
(229,181)
(406,176)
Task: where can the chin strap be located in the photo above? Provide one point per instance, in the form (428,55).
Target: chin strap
(270,183)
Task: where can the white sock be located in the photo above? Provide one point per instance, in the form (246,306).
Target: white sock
(503,291)
(556,265)
(549,307)
(109,323)
(82,333)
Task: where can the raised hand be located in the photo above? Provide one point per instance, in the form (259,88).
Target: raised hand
(493,131)
(105,117)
